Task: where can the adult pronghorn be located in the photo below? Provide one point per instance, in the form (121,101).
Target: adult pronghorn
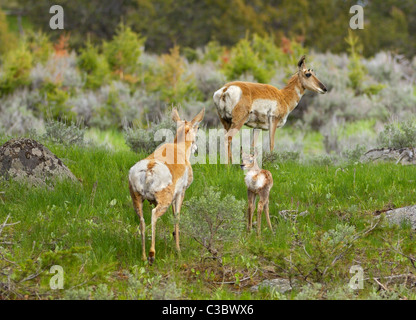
(163,177)
(262,106)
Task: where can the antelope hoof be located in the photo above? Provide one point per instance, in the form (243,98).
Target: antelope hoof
(151,258)
(174,233)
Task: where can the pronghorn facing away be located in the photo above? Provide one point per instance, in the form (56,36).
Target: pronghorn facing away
(258,182)
(163,177)
(262,106)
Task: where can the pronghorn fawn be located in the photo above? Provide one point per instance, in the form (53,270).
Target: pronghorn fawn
(163,177)
(262,106)
(258,182)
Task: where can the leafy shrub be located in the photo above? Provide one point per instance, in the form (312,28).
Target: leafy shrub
(100,292)
(6,38)
(84,105)
(212,219)
(190,54)
(322,160)
(172,80)
(245,60)
(282,156)
(17,116)
(356,69)
(103,293)
(354,155)
(95,65)
(39,45)
(267,50)
(314,253)
(398,135)
(124,50)
(166,291)
(114,104)
(208,79)
(64,133)
(143,140)
(54,103)
(385,68)
(213,51)
(78,294)
(16,70)
(309,292)
(396,99)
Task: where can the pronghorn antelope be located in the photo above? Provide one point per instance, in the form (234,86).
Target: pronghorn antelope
(262,106)
(163,177)
(258,182)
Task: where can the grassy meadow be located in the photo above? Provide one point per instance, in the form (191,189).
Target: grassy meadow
(96,93)
(92,231)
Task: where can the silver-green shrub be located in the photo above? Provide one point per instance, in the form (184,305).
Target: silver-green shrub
(144,140)
(398,135)
(212,219)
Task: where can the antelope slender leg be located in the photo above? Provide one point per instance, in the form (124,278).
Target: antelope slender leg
(177,212)
(266,211)
(260,207)
(227,126)
(251,204)
(239,115)
(255,136)
(272,131)
(235,128)
(156,213)
(138,207)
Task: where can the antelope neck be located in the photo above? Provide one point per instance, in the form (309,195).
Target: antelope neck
(293,91)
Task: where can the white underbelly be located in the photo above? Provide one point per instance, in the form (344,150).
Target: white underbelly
(261,111)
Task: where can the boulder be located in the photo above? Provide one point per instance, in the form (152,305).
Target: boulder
(400,215)
(405,156)
(27,160)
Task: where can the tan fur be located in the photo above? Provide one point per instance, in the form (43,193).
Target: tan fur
(173,194)
(285,99)
(258,182)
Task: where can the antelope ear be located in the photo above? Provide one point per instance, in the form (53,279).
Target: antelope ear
(198,118)
(301,63)
(175,115)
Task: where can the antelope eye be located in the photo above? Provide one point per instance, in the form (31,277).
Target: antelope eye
(308,74)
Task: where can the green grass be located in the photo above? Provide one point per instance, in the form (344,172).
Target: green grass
(94,235)
(112,139)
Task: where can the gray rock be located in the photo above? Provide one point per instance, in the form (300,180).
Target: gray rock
(405,156)
(281,285)
(293,214)
(400,215)
(27,160)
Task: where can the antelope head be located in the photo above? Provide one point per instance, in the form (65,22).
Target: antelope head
(248,161)
(308,78)
(187,130)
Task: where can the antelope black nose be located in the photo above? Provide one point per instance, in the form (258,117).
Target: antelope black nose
(325,89)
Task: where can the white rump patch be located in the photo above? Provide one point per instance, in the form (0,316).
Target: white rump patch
(254,185)
(148,182)
(226,101)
